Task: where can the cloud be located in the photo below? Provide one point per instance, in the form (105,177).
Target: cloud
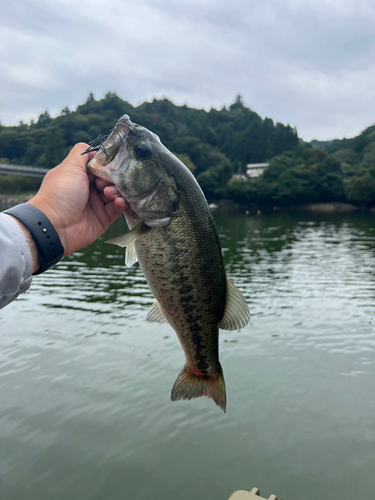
(306,63)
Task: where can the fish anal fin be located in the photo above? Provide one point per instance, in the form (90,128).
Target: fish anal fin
(156,314)
(189,385)
(236,314)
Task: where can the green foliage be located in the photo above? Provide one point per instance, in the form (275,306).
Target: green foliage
(213,145)
(55,148)
(357,144)
(238,104)
(358,165)
(213,181)
(346,156)
(186,160)
(302,175)
(213,141)
(44,119)
(15,184)
(342,171)
(361,188)
(201,154)
(368,157)
(243,191)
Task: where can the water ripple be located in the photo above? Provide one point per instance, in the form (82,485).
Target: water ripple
(85,381)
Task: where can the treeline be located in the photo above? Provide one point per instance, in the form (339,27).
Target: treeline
(305,174)
(357,158)
(339,170)
(214,144)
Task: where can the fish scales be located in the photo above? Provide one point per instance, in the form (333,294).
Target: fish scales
(183,265)
(174,238)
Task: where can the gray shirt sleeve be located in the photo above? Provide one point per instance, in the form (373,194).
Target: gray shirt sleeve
(15,261)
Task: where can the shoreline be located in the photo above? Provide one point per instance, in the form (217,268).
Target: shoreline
(332,207)
(10,200)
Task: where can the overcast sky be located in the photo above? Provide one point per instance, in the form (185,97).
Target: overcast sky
(309,63)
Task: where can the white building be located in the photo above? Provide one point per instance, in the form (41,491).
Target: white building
(255,169)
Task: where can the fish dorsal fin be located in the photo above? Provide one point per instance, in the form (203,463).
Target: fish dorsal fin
(156,314)
(236,314)
(128,240)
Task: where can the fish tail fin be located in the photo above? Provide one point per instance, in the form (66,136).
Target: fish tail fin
(189,385)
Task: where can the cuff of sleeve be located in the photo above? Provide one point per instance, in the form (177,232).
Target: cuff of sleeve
(24,249)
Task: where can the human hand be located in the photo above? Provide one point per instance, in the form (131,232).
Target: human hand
(80,206)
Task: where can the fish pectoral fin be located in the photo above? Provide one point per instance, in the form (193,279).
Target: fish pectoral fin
(128,240)
(131,237)
(236,314)
(130,255)
(156,314)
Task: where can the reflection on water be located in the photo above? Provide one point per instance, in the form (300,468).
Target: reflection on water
(85,381)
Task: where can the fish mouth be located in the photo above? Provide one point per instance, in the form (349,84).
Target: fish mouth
(107,149)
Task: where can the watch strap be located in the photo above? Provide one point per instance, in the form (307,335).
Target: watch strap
(43,233)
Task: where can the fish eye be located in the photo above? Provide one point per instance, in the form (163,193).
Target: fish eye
(142,150)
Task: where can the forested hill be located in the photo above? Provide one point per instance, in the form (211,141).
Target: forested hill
(353,150)
(214,144)
(338,170)
(357,158)
(221,140)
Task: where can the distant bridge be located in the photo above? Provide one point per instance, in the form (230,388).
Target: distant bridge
(22,170)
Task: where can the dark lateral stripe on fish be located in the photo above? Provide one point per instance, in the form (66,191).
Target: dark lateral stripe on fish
(198,341)
(185,289)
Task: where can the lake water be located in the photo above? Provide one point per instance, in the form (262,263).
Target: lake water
(85,381)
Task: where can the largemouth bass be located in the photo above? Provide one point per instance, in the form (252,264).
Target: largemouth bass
(174,238)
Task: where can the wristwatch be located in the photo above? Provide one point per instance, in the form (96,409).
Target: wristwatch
(43,233)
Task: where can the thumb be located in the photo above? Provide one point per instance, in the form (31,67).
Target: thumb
(77,156)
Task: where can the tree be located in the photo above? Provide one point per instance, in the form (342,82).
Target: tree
(91,98)
(213,141)
(186,161)
(213,181)
(361,188)
(44,118)
(238,104)
(55,147)
(243,191)
(302,175)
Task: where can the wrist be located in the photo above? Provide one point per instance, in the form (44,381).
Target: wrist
(48,211)
(42,233)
